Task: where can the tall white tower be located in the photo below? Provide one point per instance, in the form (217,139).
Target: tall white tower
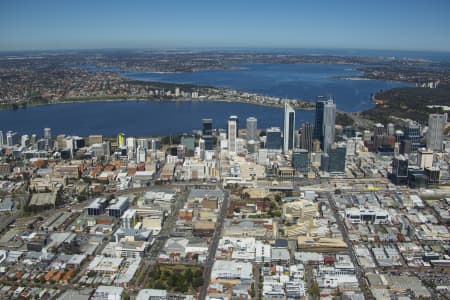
(232,133)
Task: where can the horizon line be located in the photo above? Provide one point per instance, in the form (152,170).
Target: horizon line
(225,48)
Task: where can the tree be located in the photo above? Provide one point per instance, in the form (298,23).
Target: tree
(197,280)
(188,275)
(314,291)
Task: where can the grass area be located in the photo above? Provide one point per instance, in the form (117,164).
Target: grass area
(176,278)
(408,103)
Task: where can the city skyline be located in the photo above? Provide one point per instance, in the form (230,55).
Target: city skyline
(412,25)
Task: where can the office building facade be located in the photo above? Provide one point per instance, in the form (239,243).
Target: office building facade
(324,129)
(306,139)
(232,133)
(252,124)
(435,133)
(289,128)
(273,138)
(300,160)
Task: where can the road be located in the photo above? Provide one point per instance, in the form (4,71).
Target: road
(213,246)
(359,271)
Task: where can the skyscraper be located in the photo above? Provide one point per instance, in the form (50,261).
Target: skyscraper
(400,170)
(251,128)
(47,133)
(324,129)
(289,128)
(207,133)
(121,140)
(390,129)
(273,138)
(232,133)
(435,133)
(206,127)
(1,138)
(412,134)
(306,140)
(300,160)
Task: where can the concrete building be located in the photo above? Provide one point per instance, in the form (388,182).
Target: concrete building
(251,128)
(412,134)
(435,133)
(129,219)
(141,154)
(306,139)
(152,294)
(424,158)
(118,206)
(96,207)
(324,129)
(400,170)
(300,160)
(273,139)
(232,133)
(289,128)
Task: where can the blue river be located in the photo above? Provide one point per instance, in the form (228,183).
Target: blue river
(140,118)
(300,81)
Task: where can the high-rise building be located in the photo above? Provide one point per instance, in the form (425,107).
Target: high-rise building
(143,143)
(141,154)
(390,129)
(412,134)
(47,136)
(206,127)
(232,133)
(78,142)
(33,139)
(349,131)
(201,146)
(47,133)
(378,129)
(121,140)
(289,128)
(11,138)
(273,138)
(300,160)
(155,144)
(251,128)
(251,146)
(336,162)
(189,142)
(424,158)
(207,133)
(131,147)
(25,140)
(435,133)
(400,170)
(316,146)
(1,139)
(306,140)
(324,129)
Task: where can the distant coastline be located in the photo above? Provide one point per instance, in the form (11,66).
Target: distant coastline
(310,105)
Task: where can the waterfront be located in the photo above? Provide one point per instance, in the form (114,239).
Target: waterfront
(137,117)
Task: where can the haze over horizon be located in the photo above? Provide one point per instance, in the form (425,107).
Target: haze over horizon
(50,24)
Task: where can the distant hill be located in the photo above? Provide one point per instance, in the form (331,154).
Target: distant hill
(408,103)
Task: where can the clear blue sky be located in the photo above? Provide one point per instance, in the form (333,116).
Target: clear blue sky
(370,24)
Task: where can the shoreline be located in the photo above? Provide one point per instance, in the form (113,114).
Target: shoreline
(125,99)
